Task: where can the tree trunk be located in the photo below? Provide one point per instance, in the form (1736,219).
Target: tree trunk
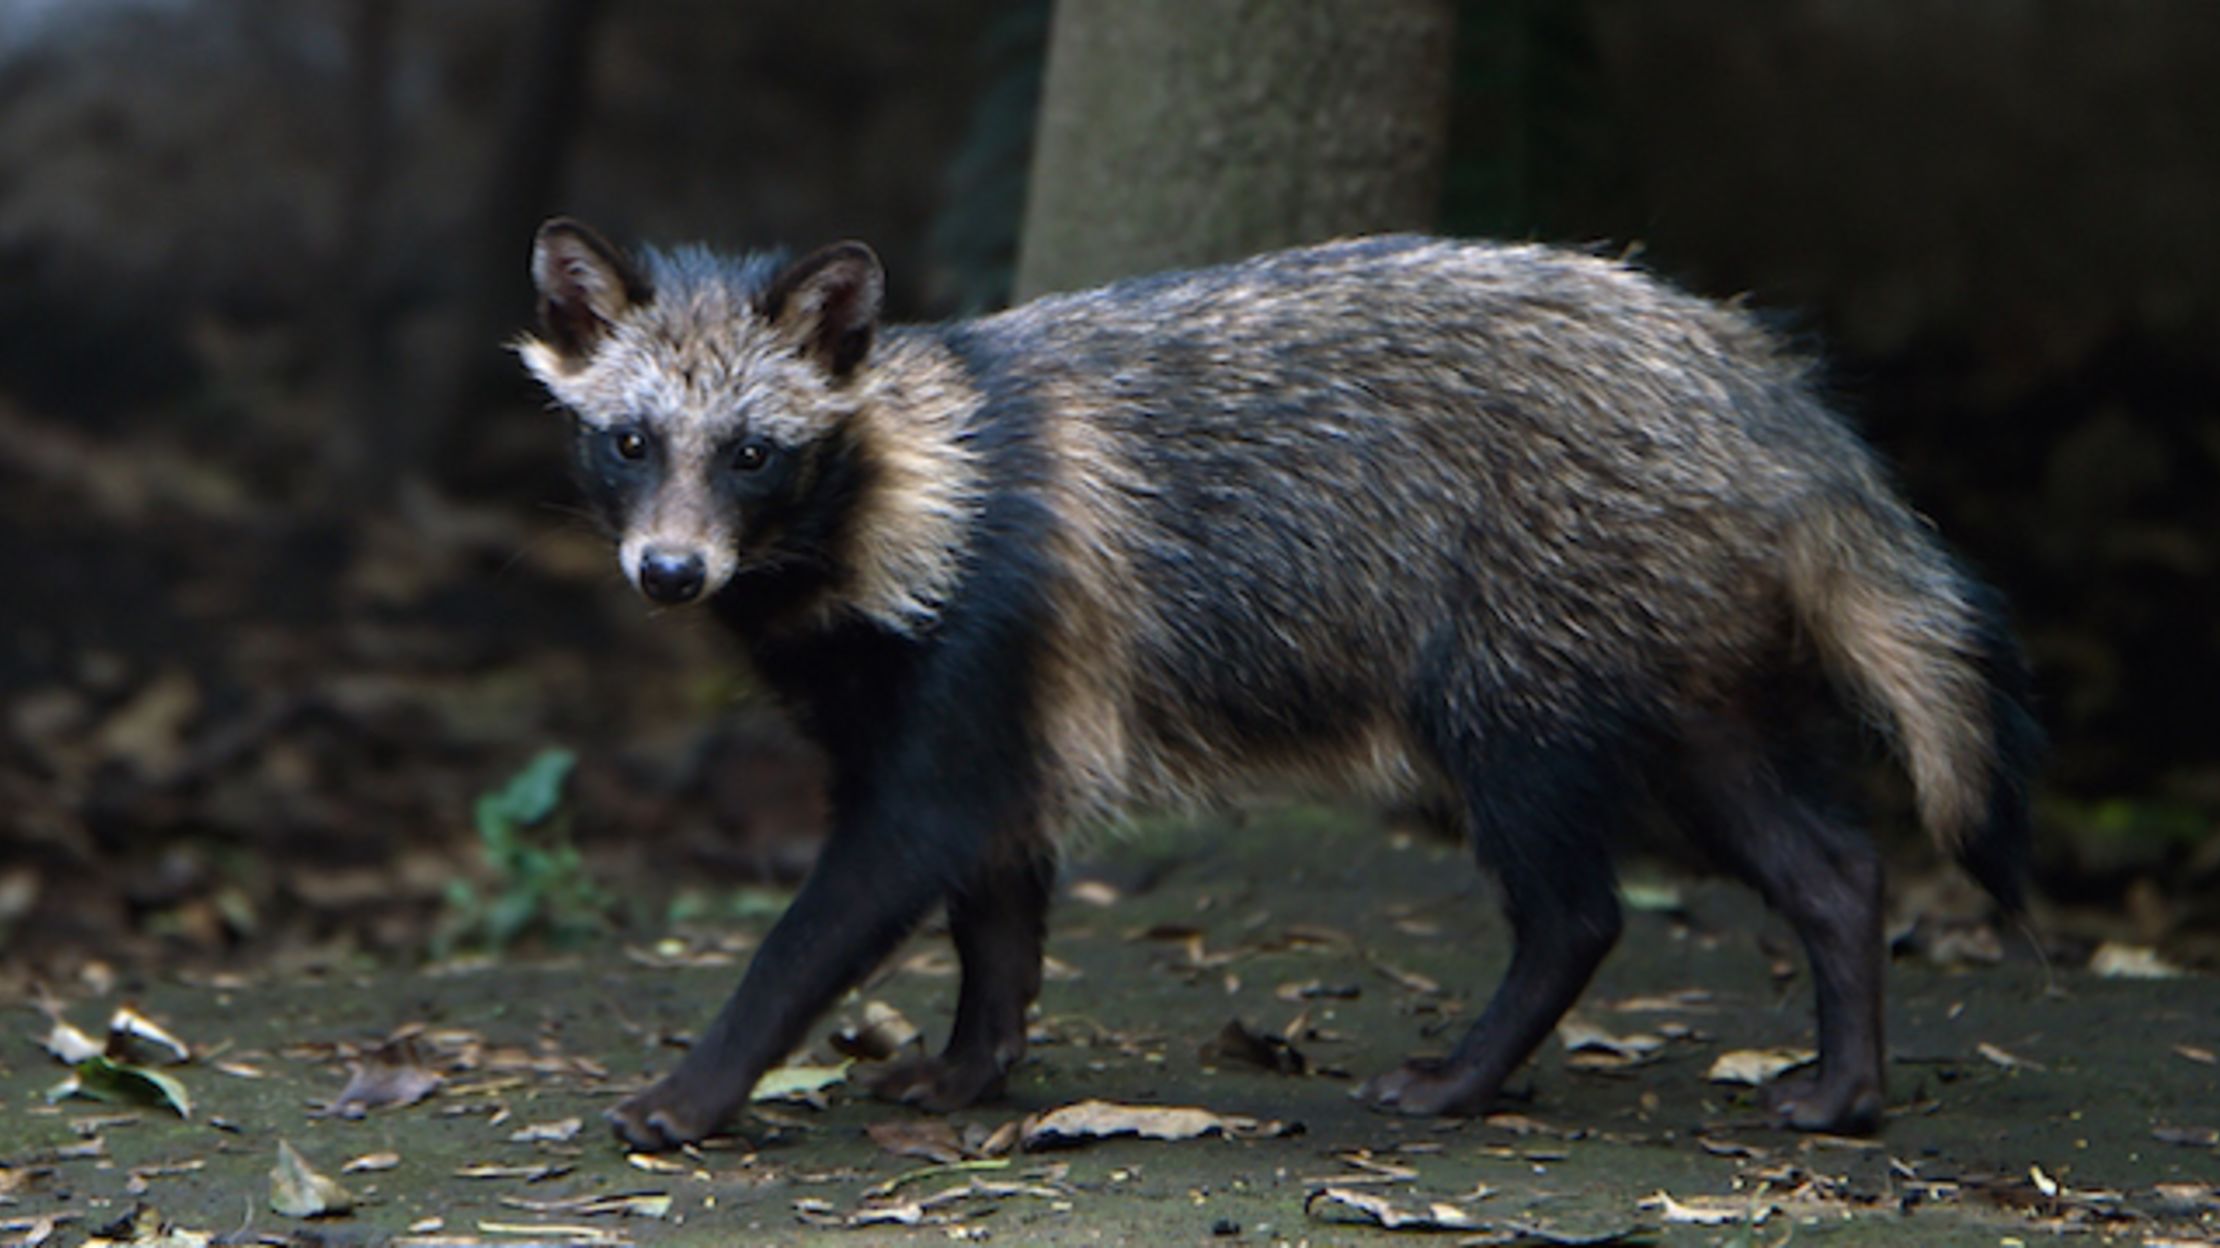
(1184,132)
(543,103)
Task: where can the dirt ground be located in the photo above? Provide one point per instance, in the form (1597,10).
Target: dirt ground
(2026,1102)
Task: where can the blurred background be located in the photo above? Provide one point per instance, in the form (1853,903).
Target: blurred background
(290,574)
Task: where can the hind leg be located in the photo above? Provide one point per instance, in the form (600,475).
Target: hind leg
(1538,812)
(1771,814)
(998,921)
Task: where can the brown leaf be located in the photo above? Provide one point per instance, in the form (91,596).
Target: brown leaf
(995,1143)
(1094,1120)
(1335,1204)
(392,1074)
(1236,1045)
(883,1033)
(932,1139)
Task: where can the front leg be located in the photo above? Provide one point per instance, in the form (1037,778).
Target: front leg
(998,920)
(864,895)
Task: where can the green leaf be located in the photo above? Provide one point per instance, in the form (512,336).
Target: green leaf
(528,798)
(104,1079)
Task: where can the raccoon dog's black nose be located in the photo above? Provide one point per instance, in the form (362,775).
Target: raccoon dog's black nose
(669,578)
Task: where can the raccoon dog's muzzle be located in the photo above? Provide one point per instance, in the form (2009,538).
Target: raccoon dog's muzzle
(674,569)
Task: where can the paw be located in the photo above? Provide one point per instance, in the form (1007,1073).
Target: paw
(1426,1086)
(666,1116)
(1834,1107)
(935,1083)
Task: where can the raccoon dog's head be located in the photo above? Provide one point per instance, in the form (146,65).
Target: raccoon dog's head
(710,396)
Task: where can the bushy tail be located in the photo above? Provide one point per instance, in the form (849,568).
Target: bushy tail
(1925,649)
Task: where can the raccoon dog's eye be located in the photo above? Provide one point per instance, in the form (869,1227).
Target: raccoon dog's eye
(751,456)
(629,444)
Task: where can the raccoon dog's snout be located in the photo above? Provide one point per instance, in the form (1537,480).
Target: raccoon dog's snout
(672,577)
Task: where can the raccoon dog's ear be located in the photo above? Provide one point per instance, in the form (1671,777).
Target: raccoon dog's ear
(829,302)
(585,285)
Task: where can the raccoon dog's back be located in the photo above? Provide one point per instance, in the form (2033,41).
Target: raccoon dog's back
(1299,489)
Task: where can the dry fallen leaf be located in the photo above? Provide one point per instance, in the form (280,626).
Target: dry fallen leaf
(938,1209)
(1193,942)
(560,1131)
(530,1174)
(933,1139)
(370,1162)
(1757,1066)
(135,1038)
(1409,980)
(1095,1120)
(799,1083)
(2114,960)
(70,1045)
(1707,1210)
(981,1142)
(1684,999)
(1374,1171)
(1521,1124)
(2009,1061)
(2188,1137)
(1094,892)
(34,1232)
(883,1033)
(625,1204)
(1591,1046)
(1317,989)
(552,1233)
(393,1074)
(1335,1204)
(297,1191)
(1236,1045)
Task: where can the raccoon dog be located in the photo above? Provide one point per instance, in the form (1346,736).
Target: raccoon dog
(1520,530)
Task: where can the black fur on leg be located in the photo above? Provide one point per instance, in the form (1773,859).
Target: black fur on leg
(1542,798)
(998,921)
(932,760)
(1761,787)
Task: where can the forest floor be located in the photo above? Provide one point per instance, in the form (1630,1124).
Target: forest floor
(1250,969)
